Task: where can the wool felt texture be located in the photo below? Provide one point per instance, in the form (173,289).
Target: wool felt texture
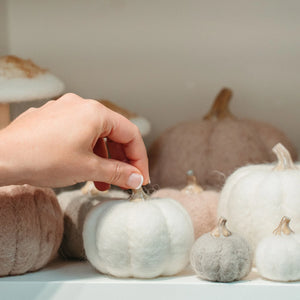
(142,239)
(222,259)
(22,80)
(202,207)
(75,206)
(255,198)
(278,256)
(31,228)
(213,147)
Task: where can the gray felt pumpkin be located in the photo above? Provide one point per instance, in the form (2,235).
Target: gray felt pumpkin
(31,228)
(75,205)
(221,255)
(213,147)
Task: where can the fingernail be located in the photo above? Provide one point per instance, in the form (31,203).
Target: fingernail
(135,181)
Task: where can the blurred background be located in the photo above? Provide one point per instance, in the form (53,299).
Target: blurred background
(166,60)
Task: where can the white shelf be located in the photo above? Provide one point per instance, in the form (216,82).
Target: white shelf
(78,280)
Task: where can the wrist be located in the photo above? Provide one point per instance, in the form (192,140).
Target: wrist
(10,172)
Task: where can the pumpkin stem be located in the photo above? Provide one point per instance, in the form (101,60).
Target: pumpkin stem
(192,187)
(220,108)
(221,229)
(138,195)
(283,227)
(284,158)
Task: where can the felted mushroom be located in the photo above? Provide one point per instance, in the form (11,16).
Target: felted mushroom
(23,81)
(142,123)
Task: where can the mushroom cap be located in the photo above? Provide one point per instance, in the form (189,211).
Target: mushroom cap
(21,80)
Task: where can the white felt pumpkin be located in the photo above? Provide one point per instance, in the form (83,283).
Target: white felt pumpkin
(221,255)
(278,255)
(141,238)
(75,205)
(255,198)
(201,205)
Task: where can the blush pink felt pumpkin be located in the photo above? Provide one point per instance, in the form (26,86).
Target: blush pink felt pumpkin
(213,147)
(201,205)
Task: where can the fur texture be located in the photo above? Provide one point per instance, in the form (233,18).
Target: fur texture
(138,239)
(223,259)
(31,225)
(75,206)
(213,149)
(255,198)
(278,257)
(202,207)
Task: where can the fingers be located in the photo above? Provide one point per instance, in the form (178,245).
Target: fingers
(122,131)
(114,172)
(101,150)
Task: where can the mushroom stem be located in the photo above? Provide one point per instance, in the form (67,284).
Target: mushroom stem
(284,158)
(220,108)
(221,229)
(138,195)
(4,115)
(192,187)
(283,227)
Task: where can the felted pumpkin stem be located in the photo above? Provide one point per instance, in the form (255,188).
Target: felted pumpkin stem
(138,195)
(221,229)
(192,187)
(283,227)
(220,109)
(284,158)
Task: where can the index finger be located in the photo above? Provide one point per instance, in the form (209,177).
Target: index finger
(120,130)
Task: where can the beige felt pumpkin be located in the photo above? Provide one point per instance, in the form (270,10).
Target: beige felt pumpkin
(75,205)
(213,147)
(31,228)
(201,205)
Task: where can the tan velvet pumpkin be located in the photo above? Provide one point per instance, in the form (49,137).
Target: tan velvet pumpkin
(76,205)
(201,205)
(213,147)
(31,228)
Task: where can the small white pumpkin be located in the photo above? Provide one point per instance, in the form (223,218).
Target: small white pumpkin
(278,255)
(141,238)
(255,198)
(221,255)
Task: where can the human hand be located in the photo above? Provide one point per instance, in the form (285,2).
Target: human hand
(62,143)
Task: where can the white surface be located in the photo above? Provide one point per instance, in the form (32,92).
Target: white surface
(168,59)
(78,280)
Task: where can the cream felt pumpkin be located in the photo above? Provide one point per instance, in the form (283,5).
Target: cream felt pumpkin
(255,198)
(278,255)
(221,255)
(75,206)
(201,205)
(31,228)
(213,147)
(141,238)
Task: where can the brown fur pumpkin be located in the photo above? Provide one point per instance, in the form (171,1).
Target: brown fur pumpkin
(31,228)
(213,147)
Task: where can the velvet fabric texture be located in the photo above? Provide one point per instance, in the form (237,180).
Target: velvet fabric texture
(31,228)
(213,147)
(202,207)
(76,205)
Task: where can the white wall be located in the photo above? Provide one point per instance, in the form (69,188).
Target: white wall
(168,59)
(3,28)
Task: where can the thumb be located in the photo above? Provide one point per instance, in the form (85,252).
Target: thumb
(116,172)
